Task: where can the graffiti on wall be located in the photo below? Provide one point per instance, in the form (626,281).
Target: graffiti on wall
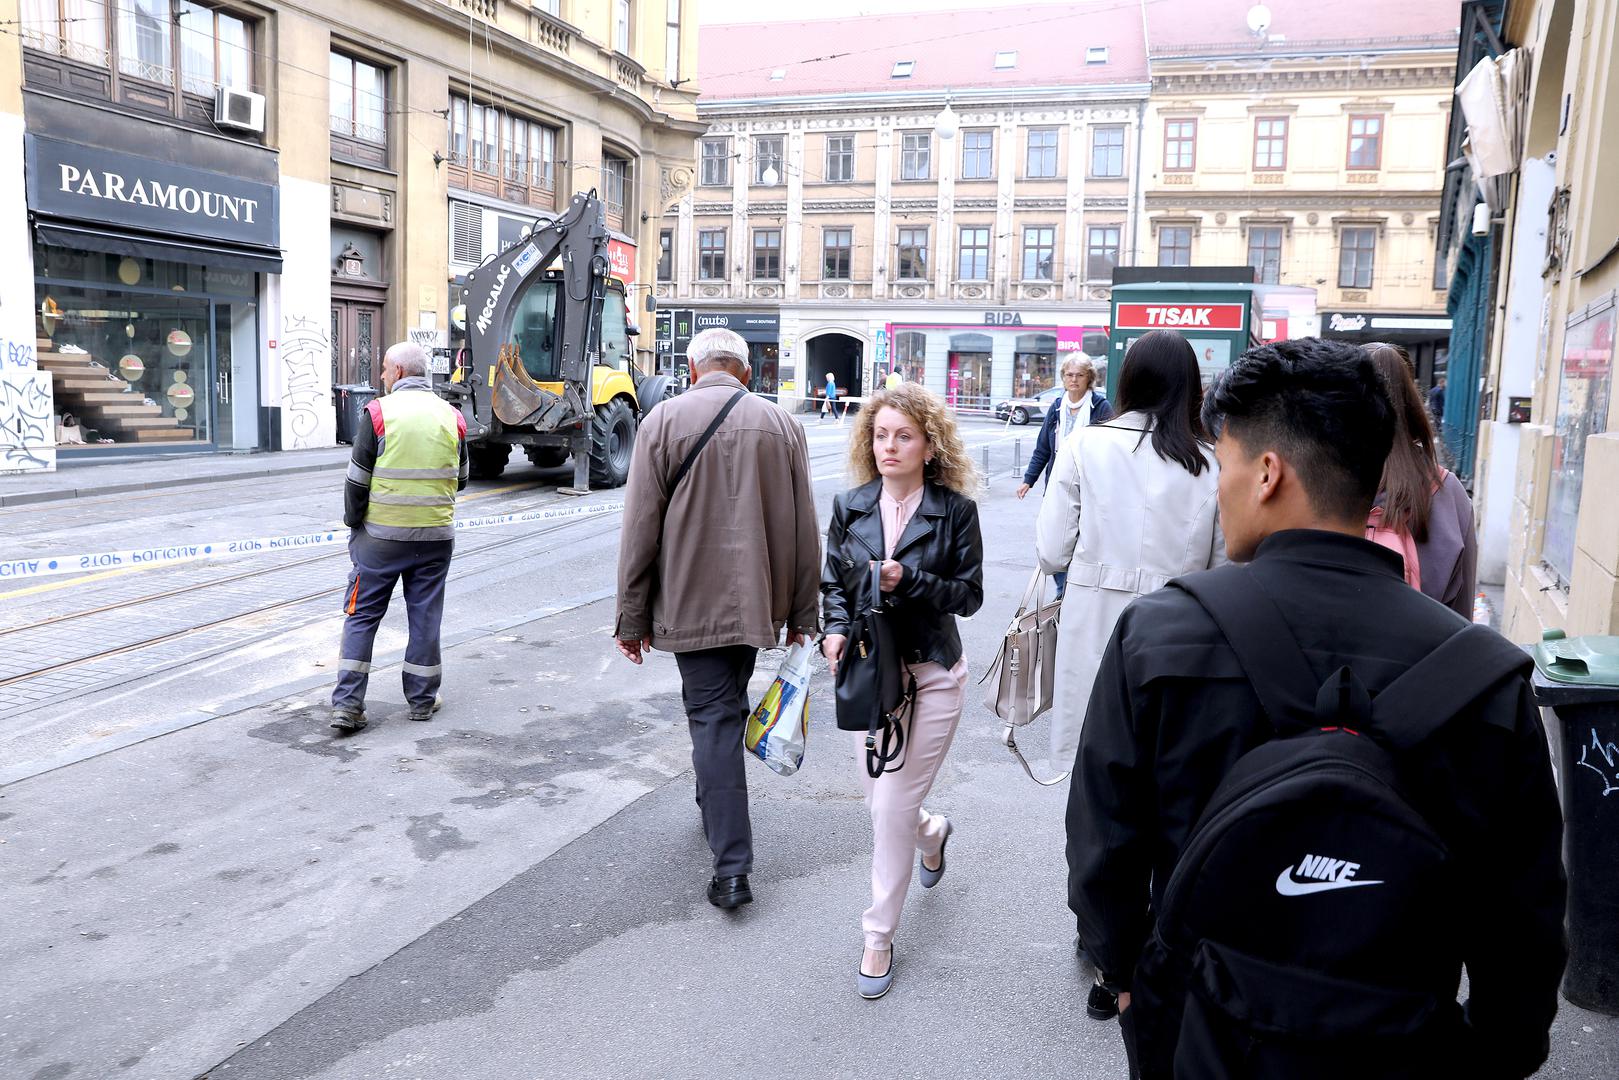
(305,352)
(25,421)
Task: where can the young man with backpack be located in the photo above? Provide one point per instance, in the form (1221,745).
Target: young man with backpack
(1282,850)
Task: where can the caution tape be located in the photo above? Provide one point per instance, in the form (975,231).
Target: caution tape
(49,565)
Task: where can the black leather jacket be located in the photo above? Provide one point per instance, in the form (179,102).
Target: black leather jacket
(943,556)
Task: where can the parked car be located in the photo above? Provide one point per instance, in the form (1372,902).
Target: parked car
(1021,410)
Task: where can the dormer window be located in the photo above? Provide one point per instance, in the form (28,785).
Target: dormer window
(1096,54)
(1006,60)
(778,75)
(902,69)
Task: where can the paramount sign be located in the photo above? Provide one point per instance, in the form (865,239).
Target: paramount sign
(111,188)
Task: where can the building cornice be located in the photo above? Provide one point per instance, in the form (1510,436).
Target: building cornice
(1011,97)
(1283,202)
(1255,80)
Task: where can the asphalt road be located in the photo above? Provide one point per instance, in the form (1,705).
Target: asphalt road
(202,881)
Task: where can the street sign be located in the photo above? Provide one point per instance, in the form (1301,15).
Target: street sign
(1179,316)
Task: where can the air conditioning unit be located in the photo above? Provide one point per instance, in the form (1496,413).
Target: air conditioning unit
(239,109)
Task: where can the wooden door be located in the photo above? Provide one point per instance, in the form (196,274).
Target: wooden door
(356,343)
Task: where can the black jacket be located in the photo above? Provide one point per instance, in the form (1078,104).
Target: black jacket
(1172,711)
(1045,446)
(943,556)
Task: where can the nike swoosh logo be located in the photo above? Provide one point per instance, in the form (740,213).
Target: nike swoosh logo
(1288,887)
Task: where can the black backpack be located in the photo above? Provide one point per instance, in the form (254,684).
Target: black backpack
(1307,928)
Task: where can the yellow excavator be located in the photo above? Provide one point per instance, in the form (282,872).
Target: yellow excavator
(547,361)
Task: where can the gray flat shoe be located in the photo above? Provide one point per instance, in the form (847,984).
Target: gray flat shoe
(931,878)
(872,987)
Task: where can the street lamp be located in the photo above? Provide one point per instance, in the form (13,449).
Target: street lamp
(947,123)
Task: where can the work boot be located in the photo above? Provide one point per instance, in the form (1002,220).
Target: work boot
(425,712)
(348,719)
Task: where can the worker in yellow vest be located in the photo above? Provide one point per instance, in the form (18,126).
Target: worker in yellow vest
(410,458)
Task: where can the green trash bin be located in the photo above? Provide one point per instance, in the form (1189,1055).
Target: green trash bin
(1578,679)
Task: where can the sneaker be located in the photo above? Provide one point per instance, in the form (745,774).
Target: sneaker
(1101,1004)
(425,712)
(348,719)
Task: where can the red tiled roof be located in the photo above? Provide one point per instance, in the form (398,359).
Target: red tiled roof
(1220,27)
(951,50)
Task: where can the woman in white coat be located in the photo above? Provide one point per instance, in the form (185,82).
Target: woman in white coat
(1131,505)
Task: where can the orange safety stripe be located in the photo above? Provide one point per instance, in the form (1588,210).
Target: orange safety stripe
(354,596)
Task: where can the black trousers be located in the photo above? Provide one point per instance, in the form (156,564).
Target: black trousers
(714,688)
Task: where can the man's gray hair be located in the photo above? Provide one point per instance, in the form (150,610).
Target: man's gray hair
(1078,361)
(410,357)
(716,345)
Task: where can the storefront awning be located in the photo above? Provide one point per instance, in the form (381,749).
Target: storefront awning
(202,252)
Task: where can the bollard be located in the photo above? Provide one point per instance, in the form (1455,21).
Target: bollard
(986,461)
(1017,455)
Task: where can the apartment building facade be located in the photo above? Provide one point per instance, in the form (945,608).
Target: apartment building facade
(949,200)
(1284,138)
(227,208)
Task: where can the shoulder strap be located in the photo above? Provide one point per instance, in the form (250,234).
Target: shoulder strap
(1443,683)
(1270,655)
(713,426)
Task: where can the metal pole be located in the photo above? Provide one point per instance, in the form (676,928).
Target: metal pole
(1017,455)
(986,461)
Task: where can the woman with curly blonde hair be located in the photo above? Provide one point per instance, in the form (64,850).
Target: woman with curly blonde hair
(911,512)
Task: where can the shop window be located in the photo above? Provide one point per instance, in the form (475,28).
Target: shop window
(157,55)
(913,254)
(1107,152)
(977,155)
(716,163)
(967,379)
(839,158)
(501,153)
(910,354)
(1039,252)
(1102,252)
(711,255)
(1180,145)
(767,160)
(1175,245)
(1365,142)
(359,110)
(837,254)
(618,174)
(974,253)
(1356,250)
(666,254)
(1270,143)
(767,254)
(1034,364)
(915,155)
(1584,390)
(1041,161)
(1265,253)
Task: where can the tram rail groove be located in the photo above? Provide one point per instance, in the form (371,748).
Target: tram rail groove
(119,650)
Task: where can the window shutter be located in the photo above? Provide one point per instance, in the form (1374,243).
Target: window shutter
(466,233)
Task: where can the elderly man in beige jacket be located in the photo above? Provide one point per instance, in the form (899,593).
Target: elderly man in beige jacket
(719,553)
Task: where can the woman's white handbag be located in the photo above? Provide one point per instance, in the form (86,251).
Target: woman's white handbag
(1023,677)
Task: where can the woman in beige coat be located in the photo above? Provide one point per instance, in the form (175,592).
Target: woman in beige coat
(1131,505)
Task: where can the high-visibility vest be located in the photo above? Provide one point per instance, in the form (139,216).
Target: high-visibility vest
(413,483)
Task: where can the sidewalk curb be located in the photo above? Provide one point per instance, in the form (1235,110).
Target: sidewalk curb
(62,495)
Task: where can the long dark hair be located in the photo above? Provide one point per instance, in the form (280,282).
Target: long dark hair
(1412,467)
(1160,378)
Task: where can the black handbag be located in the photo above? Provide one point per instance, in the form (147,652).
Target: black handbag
(872,687)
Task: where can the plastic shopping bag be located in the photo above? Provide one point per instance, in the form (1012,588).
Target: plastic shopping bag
(777,729)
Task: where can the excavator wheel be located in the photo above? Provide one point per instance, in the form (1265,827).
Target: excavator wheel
(612,440)
(488,461)
(546,457)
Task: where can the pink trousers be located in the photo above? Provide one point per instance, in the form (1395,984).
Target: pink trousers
(900,827)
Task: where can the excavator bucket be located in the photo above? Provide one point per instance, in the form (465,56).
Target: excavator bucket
(518,400)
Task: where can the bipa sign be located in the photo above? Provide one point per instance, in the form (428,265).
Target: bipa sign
(1180,316)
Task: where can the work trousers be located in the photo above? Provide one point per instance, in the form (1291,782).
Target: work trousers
(714,688)
(423,565)
(900,827)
